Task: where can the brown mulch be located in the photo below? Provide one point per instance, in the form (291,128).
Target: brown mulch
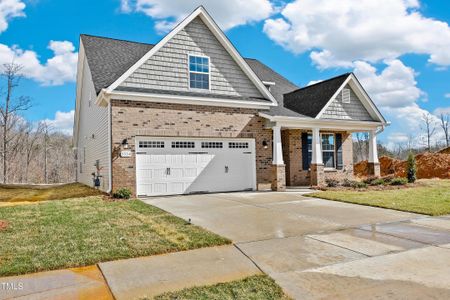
(429,165)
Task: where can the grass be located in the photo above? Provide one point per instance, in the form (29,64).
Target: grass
(429,197)
(257,287)
(80,232)
(34,193)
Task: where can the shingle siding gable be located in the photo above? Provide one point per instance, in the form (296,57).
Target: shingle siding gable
(354,110)
(167,69)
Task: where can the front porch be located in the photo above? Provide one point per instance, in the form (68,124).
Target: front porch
(308,156)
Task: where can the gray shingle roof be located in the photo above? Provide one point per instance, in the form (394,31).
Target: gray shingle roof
(109,58)
(311,99)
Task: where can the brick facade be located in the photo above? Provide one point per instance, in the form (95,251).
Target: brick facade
(292,155)
(132,118)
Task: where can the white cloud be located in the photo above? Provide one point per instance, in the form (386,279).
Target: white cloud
(394,90)
(447,95)
(339,32)
(56,70)
(442,110)
(10,9)
(228,14)
(394,87)
(63,122)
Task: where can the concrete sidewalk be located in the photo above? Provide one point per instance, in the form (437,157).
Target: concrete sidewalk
(133,278)
(77,283)
(154,275)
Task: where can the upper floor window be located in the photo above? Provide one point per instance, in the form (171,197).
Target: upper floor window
(199,72)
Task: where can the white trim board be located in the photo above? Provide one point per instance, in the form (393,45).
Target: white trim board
(104,98)
(309,123)
(362,96)
(218,33)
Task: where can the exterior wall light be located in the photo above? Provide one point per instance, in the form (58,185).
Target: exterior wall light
(125,144)
(265,145)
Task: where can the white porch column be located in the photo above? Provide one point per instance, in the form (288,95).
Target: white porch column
(373,151)
(316,147)
(277,146)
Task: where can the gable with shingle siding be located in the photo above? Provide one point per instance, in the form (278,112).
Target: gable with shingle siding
(354,110)
(167,69)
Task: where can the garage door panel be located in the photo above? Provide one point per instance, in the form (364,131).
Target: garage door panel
(166,171)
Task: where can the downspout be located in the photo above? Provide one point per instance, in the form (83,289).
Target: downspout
(109,148)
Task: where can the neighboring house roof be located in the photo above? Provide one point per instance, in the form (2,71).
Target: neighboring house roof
(310,100)
(109,58)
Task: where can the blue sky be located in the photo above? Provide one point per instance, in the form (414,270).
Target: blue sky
(401,54)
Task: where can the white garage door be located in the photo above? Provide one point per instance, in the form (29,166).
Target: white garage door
(168,166)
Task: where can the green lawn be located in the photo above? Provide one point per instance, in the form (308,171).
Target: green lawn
(260,287)
(34,193)
(429,197)
(84,231)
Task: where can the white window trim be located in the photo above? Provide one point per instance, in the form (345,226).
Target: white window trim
(333,151)
(321,149)
(196,72)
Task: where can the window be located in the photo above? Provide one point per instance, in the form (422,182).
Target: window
(198,72)
(328,150)
(212,145)
(151,144)
(237,145)
(183,145)
(346,96)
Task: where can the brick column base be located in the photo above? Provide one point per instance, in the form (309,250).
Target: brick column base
(279,178)
(374,169)
(317,175)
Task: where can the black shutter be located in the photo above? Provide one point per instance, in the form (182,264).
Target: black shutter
(305,152)
(339,162)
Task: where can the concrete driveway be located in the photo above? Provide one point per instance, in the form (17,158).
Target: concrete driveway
(319,249)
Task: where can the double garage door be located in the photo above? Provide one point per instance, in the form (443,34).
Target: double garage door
(168,166)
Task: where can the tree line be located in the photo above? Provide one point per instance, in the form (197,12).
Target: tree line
(29,152)
(415,144)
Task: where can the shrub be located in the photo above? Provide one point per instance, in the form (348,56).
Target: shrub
(388,178)
(399,181)
(378,181)
(369,180)
(411,168)
(122,193)
(359,185)
(331,182)
(347,182)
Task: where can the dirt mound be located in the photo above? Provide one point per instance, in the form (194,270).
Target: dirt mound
(445,151)
(429,165)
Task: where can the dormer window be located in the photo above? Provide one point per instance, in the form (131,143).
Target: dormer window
(346,95)
(199,72)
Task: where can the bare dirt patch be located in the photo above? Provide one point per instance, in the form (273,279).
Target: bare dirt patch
(429,165)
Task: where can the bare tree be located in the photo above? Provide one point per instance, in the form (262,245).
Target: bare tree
(429,128)
(46,147)
(30,144)
(9,114)
(445,125)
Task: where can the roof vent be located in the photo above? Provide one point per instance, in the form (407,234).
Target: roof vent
(346,96)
